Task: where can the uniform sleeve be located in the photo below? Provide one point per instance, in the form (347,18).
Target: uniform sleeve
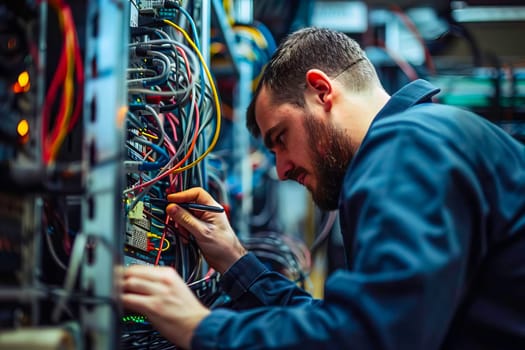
(410,204)
(249,284)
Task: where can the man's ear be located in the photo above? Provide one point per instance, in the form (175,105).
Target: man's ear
(320,88)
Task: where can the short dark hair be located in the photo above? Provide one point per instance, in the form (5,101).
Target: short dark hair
(330,51)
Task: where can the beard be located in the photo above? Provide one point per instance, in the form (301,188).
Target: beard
(331,153)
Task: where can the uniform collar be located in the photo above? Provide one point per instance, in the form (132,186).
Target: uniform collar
(415,92)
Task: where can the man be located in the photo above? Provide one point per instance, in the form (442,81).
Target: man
(432,208)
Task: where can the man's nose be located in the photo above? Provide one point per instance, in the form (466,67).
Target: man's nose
(283,166)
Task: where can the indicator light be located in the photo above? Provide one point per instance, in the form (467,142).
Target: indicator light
(22,128)
(23,79)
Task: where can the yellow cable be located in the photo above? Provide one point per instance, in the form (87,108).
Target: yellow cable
(167,245)
(151,136)
(68,92)
(215,97)
(227,4)
(259,39)
(154,235)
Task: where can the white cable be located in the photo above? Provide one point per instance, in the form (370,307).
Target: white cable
(77,255)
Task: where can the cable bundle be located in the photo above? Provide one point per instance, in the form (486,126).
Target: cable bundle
(173,123)
(69,73)
(283,253)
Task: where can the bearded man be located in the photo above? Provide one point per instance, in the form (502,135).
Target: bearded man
(432,211)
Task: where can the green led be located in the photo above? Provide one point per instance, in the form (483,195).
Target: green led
(134,318)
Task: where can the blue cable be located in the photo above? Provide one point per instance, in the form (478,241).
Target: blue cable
(197,43)
(159,163)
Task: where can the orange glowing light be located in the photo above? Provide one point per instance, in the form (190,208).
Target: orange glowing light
(22,128)
(17,88)
(23,79)
(11,43)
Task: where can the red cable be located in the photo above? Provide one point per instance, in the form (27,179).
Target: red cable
(159,252)
(412,27)
(181,162)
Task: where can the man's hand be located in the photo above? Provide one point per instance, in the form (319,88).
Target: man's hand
(212,231)
(162,296)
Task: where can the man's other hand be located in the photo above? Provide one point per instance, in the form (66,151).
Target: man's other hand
(161,295)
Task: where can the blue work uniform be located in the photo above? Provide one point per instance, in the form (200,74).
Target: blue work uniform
(432,213)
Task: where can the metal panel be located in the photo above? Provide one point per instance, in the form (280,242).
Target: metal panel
(105,109)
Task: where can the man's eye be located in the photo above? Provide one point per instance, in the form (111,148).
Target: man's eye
(280,139)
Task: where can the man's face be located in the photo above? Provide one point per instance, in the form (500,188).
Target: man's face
(308,148)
